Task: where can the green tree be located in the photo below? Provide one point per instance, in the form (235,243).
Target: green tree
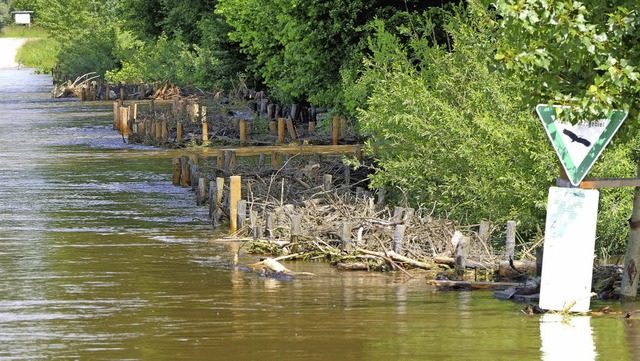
(448,132)
(583,54)
(299,48)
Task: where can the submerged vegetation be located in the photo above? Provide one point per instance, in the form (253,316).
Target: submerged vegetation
(446,104)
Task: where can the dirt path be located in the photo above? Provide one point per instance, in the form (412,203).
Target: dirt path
(8,50)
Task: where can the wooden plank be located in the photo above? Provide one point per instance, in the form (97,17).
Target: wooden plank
(282,149)
(594,183)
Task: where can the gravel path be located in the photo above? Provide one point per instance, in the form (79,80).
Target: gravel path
(8,49)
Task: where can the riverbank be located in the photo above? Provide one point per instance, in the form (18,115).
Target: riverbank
(10,47)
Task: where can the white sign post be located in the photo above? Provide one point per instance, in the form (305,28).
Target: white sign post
(570,236)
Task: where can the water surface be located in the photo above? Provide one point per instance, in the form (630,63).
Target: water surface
(102,258)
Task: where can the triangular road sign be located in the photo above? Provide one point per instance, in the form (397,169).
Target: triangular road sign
(578,146)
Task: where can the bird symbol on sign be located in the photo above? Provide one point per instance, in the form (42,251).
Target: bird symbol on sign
(575,138)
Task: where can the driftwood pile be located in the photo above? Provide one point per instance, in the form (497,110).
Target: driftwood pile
(319,209)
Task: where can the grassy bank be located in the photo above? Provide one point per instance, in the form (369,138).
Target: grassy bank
(40,54)
(17,31)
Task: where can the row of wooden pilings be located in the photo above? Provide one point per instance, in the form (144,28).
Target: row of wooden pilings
(94,90)
(125,120)
(224,197)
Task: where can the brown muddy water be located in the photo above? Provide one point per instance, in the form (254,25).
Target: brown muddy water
(102,258)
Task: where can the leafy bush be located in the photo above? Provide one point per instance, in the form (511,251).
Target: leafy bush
(451,133)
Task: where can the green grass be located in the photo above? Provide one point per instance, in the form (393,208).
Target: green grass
(22,31)
(40,54)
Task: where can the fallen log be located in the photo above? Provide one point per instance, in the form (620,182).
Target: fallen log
(450,261)
(399,258)
(475,285)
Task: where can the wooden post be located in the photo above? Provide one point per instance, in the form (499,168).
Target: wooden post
(408,215)
(179,132)
(134,111)
(122,93)
(202,191)
(220,160)
(270,225)
(343,128)
(124,121)
(398,239)
(312,128)
(630,275)
(205,132)
(165,131)
(243,132)
(185,178)
(347,244)
(327,181)
(205,125)
(275,161)
(397,214)
(213,191)
(281,130)
(158,131)
(116,115)
(296,230)
(292,129)
(335,129)
(177,169)
(229,160)
(511,240)
(462,252)
(484,230)
(107,96)
(242,213)
(235,185)
(273,128)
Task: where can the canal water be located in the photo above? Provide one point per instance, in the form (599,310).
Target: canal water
(101,257)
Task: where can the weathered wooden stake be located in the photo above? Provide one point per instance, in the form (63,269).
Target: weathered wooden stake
(327,181)
(179,132)
(483,231)
(116,115)
(185,178)
(511,240)
(270,225)
(347,244)
(176,171)
(462,253)
(275,160)
(243,132)
(273,128)
(202,191)
(205,124)
(242,213)
(343,128)
(398,238)
(165,131)
(292,129)
(335,129)
(235,192)
(281,130)
(158,131)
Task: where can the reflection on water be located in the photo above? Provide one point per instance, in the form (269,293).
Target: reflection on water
(566,336)
(102,258)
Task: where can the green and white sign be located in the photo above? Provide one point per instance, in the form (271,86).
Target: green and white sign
(579,145)
(569,241)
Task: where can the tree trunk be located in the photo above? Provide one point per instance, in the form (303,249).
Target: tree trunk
(630,277)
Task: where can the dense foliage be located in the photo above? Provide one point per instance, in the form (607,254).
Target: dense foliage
(445,93)
(450,133)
